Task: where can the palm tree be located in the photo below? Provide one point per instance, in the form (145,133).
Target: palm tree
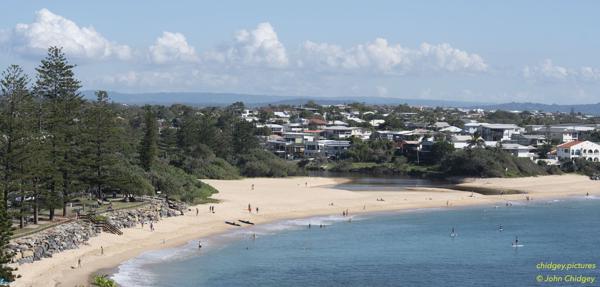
(475,141)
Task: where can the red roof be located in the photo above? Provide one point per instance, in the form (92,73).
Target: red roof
(569,144)
(317,121)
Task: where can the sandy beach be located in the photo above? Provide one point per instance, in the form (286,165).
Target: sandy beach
(278,199)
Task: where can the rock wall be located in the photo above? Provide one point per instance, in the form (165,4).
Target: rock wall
(73,234)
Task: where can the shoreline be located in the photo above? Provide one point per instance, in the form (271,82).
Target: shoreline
(278,199)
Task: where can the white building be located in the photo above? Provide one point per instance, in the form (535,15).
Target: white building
(519,150)
(499,132)
(579,149)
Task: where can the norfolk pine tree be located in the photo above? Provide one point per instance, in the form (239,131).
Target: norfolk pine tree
(56,84)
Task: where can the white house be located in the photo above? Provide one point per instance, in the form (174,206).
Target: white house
(579,149)
(499,132)
(519,150)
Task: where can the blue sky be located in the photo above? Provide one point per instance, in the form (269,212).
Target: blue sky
(543,51)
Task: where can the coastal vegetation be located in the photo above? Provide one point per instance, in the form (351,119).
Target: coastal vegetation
(58,147)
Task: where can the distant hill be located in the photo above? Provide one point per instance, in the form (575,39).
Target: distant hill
(589,109)
(223,99)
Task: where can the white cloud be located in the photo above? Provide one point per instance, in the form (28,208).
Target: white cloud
(172,47)
(445,57)
(50,29)
(547,71)
(384,57)
(258,47)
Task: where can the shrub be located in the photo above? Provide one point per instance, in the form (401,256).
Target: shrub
(104,281)
(490,162)
(176,183)
(258,162)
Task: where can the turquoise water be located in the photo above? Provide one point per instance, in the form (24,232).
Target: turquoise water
(402,249)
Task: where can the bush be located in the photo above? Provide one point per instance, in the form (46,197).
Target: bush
(491,162)
(177,184)
(258,162)
(202,163)
(581,166)
(104,281)
(130,179)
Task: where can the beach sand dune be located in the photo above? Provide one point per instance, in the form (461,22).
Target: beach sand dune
(277,199)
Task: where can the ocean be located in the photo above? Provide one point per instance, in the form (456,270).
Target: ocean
(392,249)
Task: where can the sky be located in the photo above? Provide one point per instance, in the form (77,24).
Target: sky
(481,51)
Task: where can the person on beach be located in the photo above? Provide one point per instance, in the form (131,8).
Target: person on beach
(142,223)
(253,186)
(305,184)
(249,208)
(101,250)
(151,226)
(196,211)
(257,210)
(79,263)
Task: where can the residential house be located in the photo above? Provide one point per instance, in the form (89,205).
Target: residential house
(519,150)
(578,149)
(532,140)
(498,132)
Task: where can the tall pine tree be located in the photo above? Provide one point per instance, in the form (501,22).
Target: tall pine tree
(148,146)
(16,126)
(56,84)
(101,143)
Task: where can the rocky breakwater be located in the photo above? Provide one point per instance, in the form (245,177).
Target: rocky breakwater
(53,240)
(152,212)
(75,233)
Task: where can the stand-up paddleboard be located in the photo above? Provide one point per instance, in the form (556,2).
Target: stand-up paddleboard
(516,244)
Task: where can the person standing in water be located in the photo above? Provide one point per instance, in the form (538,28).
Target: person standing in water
(199,244)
